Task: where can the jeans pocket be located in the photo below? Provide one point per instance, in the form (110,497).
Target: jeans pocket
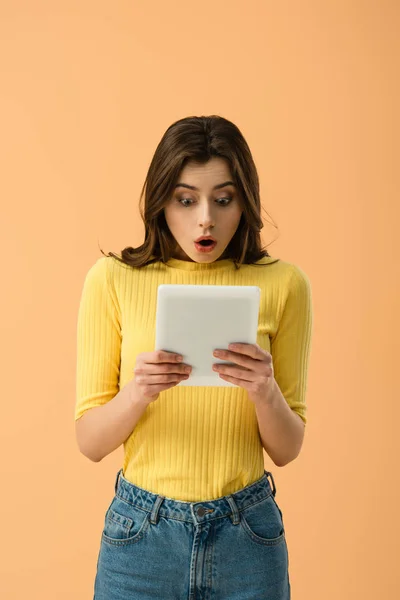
(263,522)
(124,523)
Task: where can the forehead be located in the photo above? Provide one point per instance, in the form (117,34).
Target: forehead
(216,170)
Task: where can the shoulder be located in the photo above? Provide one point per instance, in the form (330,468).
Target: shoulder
(299,280)
(98,272)
(292,274)
(289,273)
(106,267)
(101,274)
(296,288)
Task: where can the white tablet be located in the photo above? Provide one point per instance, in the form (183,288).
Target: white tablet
(195,320)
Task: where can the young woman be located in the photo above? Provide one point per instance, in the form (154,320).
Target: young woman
(194,515)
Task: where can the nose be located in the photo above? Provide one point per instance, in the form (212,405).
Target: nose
(206,218)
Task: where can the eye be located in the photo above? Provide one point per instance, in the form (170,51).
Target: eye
(228,200)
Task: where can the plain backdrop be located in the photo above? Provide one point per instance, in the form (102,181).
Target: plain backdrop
(87,91)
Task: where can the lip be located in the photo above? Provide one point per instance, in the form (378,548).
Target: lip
(205,249)
(205,237)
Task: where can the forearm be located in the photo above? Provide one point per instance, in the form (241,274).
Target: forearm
(281,429)
(102,429)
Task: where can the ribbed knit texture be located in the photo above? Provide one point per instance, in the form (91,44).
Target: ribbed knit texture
(192,443)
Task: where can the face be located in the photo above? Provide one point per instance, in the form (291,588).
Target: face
(207,210)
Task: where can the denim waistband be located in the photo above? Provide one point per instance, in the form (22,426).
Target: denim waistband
(198,512)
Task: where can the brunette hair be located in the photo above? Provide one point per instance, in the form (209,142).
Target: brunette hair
(197,139)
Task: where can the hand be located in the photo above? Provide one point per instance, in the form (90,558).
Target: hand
(255,373)
(158,371)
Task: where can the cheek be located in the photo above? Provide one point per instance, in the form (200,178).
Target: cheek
(176,222)
(233,221)
(170,217)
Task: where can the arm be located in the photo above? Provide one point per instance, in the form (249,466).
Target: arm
(281,429)
(104,428)
(105,415)
(282,416)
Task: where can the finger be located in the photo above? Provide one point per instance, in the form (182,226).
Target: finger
(236,372)
(154,378)
(179,368)
(236,381)
(162,356)
(252,350)
(236,358)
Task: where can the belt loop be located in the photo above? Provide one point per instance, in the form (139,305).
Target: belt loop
(116,481)
(235,516)
(273,482)
(154,516)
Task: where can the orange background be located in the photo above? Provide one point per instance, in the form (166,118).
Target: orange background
(87,91)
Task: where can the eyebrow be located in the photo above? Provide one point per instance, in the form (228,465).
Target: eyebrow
(216,187)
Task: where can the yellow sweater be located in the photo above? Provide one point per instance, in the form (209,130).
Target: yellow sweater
(192,443)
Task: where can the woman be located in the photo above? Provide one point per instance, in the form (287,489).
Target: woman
(194,515)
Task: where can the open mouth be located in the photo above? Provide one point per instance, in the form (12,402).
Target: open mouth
(205,245)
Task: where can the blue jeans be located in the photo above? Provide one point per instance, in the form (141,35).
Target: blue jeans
(154,547)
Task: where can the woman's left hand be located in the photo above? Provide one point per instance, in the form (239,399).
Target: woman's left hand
(255,372)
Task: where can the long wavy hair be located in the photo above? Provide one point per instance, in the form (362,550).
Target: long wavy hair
(197,139)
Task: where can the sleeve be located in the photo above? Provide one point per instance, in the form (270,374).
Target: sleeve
(98,340)
(291,344)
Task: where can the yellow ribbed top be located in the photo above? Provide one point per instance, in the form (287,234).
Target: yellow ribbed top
(192,443)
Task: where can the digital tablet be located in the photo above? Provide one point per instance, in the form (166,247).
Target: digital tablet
(195,320)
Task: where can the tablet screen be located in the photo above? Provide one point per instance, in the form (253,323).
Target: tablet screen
(195,320)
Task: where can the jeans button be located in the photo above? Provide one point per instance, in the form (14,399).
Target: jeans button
(201,511)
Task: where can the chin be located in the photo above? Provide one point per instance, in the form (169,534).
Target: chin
(201,258)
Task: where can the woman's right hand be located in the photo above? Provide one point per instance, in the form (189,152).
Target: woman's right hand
(158,371)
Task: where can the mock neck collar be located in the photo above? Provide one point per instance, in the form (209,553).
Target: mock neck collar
(226,263)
